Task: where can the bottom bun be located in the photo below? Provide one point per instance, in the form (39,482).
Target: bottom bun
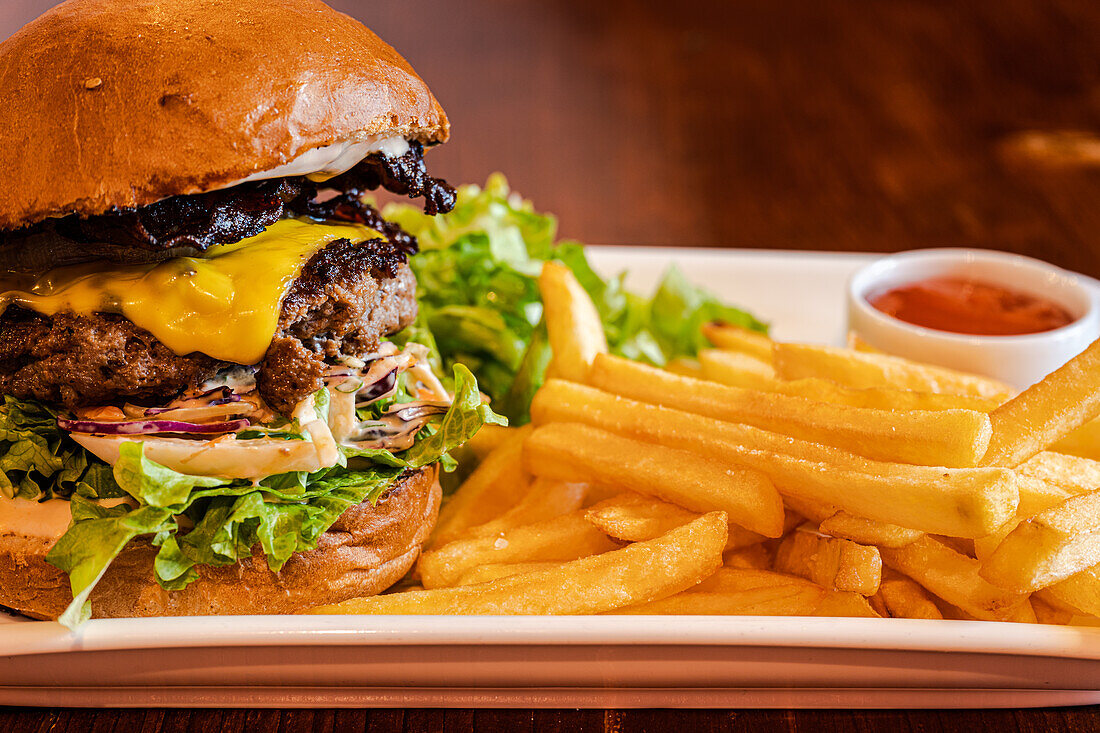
(368,549)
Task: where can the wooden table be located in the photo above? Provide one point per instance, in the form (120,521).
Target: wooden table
(800,125)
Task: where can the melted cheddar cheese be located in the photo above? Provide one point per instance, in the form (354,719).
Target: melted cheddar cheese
(225,304)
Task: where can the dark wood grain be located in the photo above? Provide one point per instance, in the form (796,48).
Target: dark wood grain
(814,125)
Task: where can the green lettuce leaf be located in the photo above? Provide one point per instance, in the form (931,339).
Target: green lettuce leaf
(228,519)
(39,461)
(477,273)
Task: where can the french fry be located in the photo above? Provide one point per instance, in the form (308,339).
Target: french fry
(1072,473)
(544,500)
(956,579)
(1080,593)
(855,343)
(740,370)
(574,327)
(567,537)
(904,598)
(984,547)
(959,502)
(733,580)
(961,545)
(597,493)
(1047,411)
(1048,614)
(753,557)
(790,600)
(1049,547)
(867,531)
(495,486)
(1083,442)
(954,438)
(815,511)
(576,452)
(831,563)
(635,574)
(488,439)
(842,603)
(735,338)
(736,369)
(1036,496)
(863,369)
(632,517)
(485,573)
(685,367)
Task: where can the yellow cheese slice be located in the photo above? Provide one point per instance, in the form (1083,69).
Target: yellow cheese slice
(225,304)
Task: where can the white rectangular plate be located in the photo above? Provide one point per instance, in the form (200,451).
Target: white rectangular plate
(693,661)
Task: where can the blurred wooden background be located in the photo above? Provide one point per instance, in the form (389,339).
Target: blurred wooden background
(871,126)
(808,125)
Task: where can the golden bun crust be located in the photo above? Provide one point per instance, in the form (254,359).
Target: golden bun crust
(367,550)
(120,103)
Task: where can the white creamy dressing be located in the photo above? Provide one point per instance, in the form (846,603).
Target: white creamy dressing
(47,519)
(321,164)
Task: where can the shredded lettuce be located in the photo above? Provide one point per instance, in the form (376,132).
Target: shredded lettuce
(227,519)
(38,460)
(478,292)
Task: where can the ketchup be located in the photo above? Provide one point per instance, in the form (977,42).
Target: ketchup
(961,305)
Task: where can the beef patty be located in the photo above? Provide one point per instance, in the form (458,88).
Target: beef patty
(345,299)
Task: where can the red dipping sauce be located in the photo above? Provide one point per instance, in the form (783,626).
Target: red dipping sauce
(960,305)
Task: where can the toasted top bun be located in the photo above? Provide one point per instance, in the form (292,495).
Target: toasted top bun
(367,550)
(120,103)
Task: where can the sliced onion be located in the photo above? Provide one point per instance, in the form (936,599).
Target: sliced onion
(208,414)
(384,387)
(149,427)
(210,398)
(227,457)
(413,411)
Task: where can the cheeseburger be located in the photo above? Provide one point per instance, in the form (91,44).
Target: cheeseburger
(216,396)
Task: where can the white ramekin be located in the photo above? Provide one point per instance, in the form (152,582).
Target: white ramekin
(1017,360)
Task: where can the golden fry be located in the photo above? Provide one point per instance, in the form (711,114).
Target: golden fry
(845,604)
(831,563)
(485,573)
(684,367)
(1046,613)
(576,452)
(1047,411)
(791,600)
(735,338)
(960,502)
(904,598)
(954,438)
(572,322)
(544,500)
(867,531)
(567,537)
(635,574)
(1049,547)
(733,580)
(753,557)
(1072,473)
(488,439)
(1080,593)
(1083,442)
(632,517)
(736,369)
(495,486)
(956,579)
(740,370)
(861,370)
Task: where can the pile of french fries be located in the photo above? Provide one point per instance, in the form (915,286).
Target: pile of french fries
(772,478)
